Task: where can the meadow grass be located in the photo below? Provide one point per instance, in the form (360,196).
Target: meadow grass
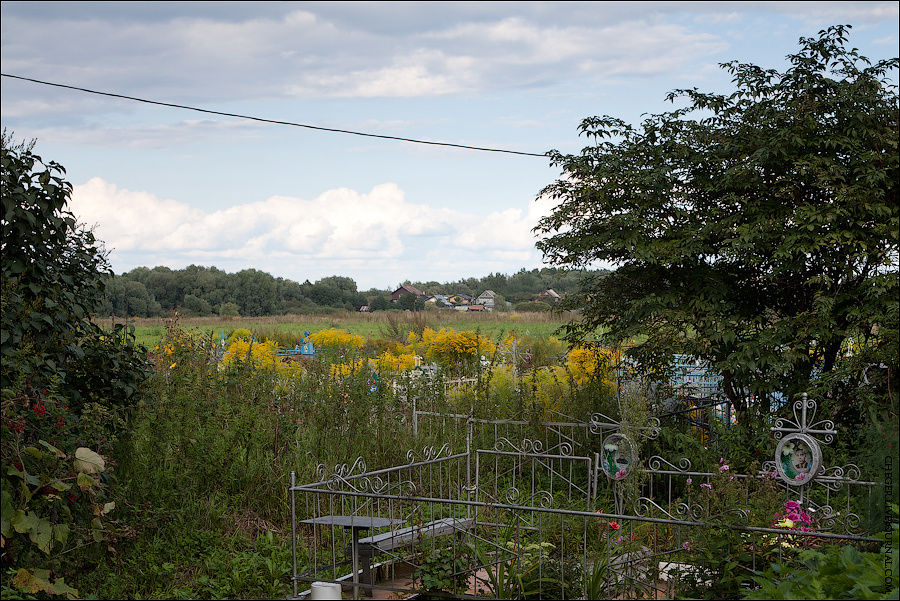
(149,331)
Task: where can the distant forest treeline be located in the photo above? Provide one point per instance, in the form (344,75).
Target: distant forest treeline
(196,290)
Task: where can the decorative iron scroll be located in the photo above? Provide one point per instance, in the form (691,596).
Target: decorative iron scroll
(834,478)
(693,512)
(563,448)
(341,470)
(354,478)
(600,422)
(743,515)
(798,456)
(644,505)
(531,447)
(656,462)
(852,524)
(543,498)
(827,519)
(805,422)
(428,454)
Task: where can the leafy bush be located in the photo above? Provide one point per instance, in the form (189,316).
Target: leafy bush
(442,569)
(833,572)
(65,383)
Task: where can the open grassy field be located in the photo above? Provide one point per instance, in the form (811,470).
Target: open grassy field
(383,324)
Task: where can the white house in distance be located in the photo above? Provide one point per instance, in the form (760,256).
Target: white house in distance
(486,299)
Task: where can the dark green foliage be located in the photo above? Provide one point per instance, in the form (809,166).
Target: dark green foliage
(65,384)
(757,230)
(53,276)
(229,310)
(128,297)
(194,305)
(379,303)
(443,569)
(833,572)
(522,286)
(533,306)
(52,269)
(197,290)
(410,302)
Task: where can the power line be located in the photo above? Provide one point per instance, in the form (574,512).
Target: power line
(272,121)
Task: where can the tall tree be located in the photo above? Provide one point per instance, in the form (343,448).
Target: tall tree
(53,276)
(757,230)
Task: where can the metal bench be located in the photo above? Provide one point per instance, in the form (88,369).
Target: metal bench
(388,542)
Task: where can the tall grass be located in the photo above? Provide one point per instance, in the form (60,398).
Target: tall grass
(149,331)
(204,471)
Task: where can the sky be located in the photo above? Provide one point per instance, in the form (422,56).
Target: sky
(165,186)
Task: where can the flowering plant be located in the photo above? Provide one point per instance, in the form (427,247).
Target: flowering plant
(793,517)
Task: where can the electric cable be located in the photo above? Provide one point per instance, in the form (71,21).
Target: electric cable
(274,121)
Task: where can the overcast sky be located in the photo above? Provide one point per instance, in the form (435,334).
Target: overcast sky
(169,187)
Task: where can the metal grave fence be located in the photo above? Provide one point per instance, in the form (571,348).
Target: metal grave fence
(509,516)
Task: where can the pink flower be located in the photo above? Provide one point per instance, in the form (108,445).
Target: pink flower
(805,517)
(730,478)
(799,477)
(774,474)
(685,545)
(792,505)
(690,480)
(722,460)
(709,486)
(724,468)
(620,474)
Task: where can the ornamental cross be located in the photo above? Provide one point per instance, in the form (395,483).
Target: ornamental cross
(798,457)
(801,423)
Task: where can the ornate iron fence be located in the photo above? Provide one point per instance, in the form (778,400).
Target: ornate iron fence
(525,510)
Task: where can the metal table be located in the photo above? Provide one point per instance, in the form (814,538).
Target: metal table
(355,523)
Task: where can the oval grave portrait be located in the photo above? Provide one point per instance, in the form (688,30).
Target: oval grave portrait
(618,456)
(797,459)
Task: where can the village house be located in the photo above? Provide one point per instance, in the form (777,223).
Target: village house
(439,300)
(486,299)
(405,290)
(550,295)
(460,299)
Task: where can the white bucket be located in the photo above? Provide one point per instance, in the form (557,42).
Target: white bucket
(325,591)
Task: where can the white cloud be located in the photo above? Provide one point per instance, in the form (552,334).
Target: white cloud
(304,54)
(164,136)
(423,73)
(340,230)
(853,12)
(719,18)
